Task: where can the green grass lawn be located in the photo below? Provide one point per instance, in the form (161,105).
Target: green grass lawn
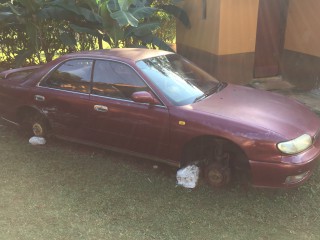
(67,191)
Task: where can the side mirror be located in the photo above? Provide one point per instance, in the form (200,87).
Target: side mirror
(144,97)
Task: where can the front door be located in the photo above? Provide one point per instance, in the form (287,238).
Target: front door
(117,121)
(270,37)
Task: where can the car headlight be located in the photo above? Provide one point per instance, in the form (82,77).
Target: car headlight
(296,145)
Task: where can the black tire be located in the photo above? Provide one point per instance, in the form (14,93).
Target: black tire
(217,175)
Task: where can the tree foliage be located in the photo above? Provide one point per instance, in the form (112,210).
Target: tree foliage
(38,30)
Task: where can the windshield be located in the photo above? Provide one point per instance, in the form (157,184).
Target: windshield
(179,80)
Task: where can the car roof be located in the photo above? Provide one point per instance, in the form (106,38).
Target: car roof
(134,54)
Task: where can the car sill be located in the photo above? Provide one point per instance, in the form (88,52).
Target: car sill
(14,123)
(145,156)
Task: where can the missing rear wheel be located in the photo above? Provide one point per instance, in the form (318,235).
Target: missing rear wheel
(35,125)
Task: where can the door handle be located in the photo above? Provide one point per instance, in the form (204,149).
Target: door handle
(100,108)
(39,98)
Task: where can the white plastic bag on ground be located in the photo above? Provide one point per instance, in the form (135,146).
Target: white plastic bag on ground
(37,140)
(188,176)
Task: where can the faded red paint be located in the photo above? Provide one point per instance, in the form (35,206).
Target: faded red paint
(252,119)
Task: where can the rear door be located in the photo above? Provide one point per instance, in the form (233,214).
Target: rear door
(64,97)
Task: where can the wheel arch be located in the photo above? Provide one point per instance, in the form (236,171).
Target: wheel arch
(239,164)
(189,146)
(25,111)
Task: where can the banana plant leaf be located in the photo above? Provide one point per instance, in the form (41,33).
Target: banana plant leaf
(177,12)
(151,39)
(142,30)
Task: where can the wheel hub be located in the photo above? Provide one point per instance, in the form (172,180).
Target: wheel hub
(215,176)
(37,129)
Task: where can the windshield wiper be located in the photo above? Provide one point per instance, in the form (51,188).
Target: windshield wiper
(197,99)
(207,93)
(220,86)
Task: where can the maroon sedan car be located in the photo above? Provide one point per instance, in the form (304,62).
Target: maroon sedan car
(158,105)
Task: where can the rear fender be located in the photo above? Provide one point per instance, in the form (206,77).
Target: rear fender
(26,110)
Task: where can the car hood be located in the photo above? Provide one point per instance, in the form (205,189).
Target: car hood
(262,109)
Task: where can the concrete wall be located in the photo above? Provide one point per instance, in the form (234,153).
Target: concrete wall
(223,43)
(303,27)
(301,56)
(204,33)
(238,26)
(230,26)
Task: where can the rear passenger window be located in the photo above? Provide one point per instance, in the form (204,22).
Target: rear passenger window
(73,75)
(116,80)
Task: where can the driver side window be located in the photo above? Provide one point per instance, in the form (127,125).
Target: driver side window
(116,80)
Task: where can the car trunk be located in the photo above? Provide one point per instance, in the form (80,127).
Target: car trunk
(18,74)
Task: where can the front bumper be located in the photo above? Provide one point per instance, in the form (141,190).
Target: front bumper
(278,175)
